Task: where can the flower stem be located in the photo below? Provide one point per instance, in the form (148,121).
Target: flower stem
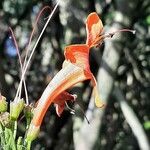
(2,139)
(29,145)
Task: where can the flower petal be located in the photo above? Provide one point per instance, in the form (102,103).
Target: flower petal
(78,54)
(98,101)
(60,109)
(60,101)
(64,96)
(94,28)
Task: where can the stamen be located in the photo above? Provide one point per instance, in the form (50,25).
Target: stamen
(124,30)
(74,97)
(110,35)
(83,112)
(32,52)
(28,46)
(33,30)
(72,111)
(18,94)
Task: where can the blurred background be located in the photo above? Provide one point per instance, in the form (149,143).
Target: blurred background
(121,66)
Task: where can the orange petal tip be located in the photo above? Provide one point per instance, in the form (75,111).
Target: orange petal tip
(94,28)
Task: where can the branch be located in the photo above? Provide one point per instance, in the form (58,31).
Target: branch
(86,135)
(132,120)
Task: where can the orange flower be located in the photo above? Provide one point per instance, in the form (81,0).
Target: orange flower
(75,69)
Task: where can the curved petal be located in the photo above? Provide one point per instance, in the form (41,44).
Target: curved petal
(98,101)
(94,28)
(64,96)
(78,54)
(60,109)
(60,100)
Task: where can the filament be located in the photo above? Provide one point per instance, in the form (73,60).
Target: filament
(71,110)
(31,36)
(18,53)
(110,35)
(83,113)
(33,50)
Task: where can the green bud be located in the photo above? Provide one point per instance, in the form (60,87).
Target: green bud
(3,104)
(20,143)
(28,111)
(16,108)
(5,119)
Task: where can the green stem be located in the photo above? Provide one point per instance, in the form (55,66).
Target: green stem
(28,123)
(29,145)
(27,126)
(7,138)
(2,142)
(12,140)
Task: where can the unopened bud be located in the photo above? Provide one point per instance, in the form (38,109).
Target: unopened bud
(28,111)
(20,143)
(5,119)
(16,108)
(3,104)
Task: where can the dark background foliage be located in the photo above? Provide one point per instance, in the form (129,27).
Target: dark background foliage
(132,75)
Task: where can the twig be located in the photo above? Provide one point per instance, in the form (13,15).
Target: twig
(132,120)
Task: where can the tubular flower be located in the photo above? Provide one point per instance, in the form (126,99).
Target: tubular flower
(75,69)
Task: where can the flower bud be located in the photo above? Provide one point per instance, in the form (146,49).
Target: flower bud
(28,112)
(16,108)
(3,104)
(20,143)
(5,119)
